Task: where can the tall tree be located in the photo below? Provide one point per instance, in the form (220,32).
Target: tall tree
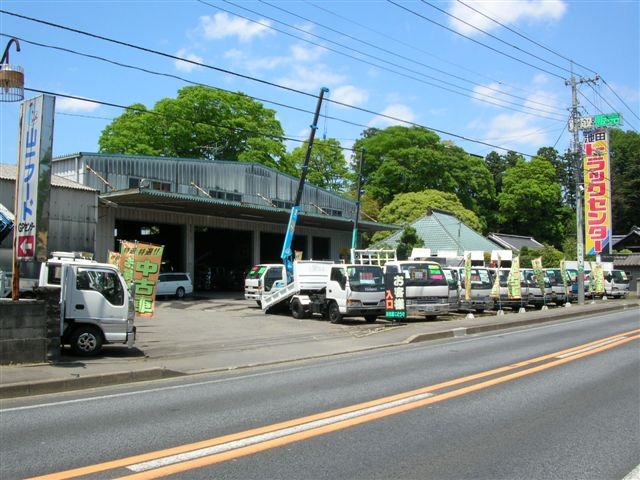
(408,207)
(625,180)
(410,159)
(200,123)
(530,202)
(327,165)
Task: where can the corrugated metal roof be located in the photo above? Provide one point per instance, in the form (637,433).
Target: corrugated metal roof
(9,172)
(202,205)
(442,231)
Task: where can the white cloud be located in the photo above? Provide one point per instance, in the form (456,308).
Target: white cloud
(350,95)
(492,94)
(187,66)
(222,25)
(311,78)
(509,129)
(400,113)
(75,105)
(507,13)
(297,54)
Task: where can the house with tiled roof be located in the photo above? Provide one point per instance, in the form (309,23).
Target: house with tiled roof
(630,241)
(514,242)
(441,231)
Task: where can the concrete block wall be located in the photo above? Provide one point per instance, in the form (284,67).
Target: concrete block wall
(29,331)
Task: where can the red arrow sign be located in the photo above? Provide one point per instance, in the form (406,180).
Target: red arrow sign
(26,246)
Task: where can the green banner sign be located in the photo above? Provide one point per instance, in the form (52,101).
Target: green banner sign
(607,120)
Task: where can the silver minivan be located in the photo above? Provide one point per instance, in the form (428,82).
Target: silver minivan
(176,284)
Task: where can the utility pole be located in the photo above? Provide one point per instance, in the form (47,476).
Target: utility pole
(576,148)
(354,237)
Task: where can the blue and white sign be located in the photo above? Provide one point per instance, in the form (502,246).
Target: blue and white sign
(33,180)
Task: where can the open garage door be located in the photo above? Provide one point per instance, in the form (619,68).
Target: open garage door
(221,258)
(171,236)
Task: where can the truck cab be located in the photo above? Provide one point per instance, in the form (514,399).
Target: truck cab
(427,290)
(348,290)
(263,279)
(616,283)
(96,304)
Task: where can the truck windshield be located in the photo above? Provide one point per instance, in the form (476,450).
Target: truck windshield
(620,276)
(256,271)
(479,278)
(422,274)
(366,278)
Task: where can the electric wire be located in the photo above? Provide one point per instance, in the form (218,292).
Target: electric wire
(493,36)
(474,95)
(474,41)
(398,55)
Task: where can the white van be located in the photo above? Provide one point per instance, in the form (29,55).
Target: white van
(174,284)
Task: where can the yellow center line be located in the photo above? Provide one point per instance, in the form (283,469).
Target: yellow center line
(557,358)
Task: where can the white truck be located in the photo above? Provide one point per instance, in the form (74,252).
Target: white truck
(427,289)
(96,304)
(333,290)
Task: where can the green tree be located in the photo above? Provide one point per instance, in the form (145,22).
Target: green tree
(625,180)
(411,159)
(408,241)
(408,207)
(131,133)
(200,123)
(530,202)
(327,165)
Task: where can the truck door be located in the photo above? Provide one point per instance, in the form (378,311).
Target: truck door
(96,295)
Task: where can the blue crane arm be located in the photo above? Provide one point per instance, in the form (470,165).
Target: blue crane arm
(287,254)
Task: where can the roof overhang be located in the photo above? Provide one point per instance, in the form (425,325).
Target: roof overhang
(149,199)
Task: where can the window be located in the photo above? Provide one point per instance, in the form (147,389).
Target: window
(104,282)
(228,196)
(135,182)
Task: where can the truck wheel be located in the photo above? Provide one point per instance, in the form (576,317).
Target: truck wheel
(297,309)
(180,292)
(334,313)
(86,340)
(370,318)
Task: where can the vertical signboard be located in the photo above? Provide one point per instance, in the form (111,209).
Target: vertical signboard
(395,296)
(33,180)
(597,198)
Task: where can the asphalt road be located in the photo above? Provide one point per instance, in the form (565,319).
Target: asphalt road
(552,401)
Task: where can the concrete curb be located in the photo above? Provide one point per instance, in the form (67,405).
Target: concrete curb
(25,389)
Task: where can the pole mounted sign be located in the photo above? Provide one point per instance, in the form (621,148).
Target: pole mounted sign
(33,179)
(595,121)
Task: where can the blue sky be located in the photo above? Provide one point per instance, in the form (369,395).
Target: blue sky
(487,75)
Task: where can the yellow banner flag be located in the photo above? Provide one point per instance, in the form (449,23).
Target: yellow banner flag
(467,277)
(514,289)
(140,263)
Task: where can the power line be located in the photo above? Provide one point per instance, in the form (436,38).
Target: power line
(174,57)
(494,37)
(395,54)
(525,37)
(473,40)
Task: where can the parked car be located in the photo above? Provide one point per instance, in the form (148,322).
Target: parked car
(176,284)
